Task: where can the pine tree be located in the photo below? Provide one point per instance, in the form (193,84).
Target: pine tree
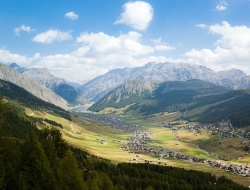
(35,171)
(71,178)
(2,174)
(3,109)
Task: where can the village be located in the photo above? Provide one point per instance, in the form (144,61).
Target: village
(222,128)
(137,143)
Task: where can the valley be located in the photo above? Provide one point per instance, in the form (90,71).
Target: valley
(192,124)
(125,95)
(102,140)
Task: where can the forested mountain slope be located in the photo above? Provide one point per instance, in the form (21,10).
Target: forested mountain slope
(157,95)
(189,97)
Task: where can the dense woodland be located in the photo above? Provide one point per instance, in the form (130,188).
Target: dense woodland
(41,159)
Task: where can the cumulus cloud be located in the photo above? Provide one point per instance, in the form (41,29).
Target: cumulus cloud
(71,15)
(222,6)
(71,67)
(231,49)
(23,28)
(136,14)
(7,57)
(124,44)
(51,36)
(97,53)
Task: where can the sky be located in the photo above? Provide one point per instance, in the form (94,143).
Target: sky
(80,39)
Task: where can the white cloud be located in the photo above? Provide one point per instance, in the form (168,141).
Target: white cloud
(51,36)
(163,48)
(222,6)
(160,46)
(98,53)
(71,67)
(231,49)
(7,57)
(124,44)
(201,26)
(23,28)
(157,41)
(95,55)
(71,15)
(136,14)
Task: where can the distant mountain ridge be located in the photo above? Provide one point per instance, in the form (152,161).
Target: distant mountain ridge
(193,100)
(99,86)
(144,93)
(13,76)
(58,85)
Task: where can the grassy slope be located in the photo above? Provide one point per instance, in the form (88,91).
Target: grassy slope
(20,95)
(196,101)
(87,135)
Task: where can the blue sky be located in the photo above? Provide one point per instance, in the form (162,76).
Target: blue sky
(81,39)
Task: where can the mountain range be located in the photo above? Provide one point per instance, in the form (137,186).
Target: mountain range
(58,85)
(96,88)
(144,80)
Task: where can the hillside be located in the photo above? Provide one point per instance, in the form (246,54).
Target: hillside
(58,85)
(13,76)
(100,86)
(135,91)
(42,159)
(156,96)
(20,95)
(187,97)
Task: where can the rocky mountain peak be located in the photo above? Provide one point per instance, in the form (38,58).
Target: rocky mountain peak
(160,72)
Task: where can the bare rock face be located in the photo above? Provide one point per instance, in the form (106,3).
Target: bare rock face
(58,85)
(43,77)
(99,86)
(11,75)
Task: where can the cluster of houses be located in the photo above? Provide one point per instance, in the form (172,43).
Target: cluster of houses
(223,128)
(114,122)
(243,170)
(138,142)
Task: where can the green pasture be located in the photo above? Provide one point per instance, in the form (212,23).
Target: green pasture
(164,117)
(110,110)
(227,148)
